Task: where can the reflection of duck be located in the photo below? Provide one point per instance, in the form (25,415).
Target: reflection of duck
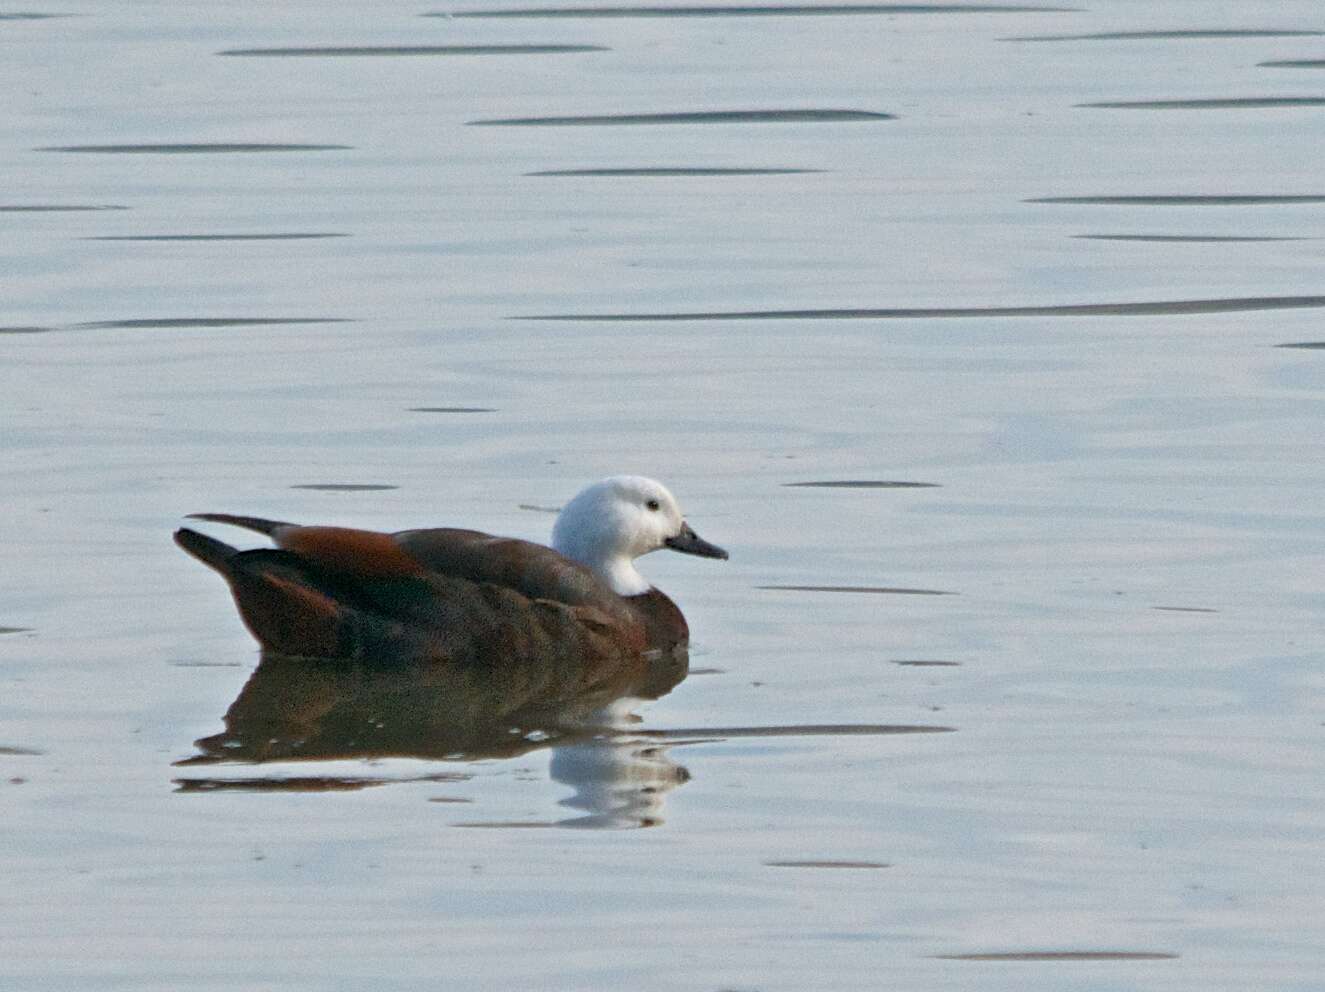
(329,709)
(298,709)
(463,597)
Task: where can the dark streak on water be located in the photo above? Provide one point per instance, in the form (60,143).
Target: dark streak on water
(1060,956)
(1144,309)
(877,590)
(692,117)
(690,734)
(1220,103)
(771,10)
(922,663)
(1181,238)
(51,208)
(1305,345)
(860,484)
(192,149)
(1169,35)
(1239,200)
(308,783)
(345,487)
(826,864)
(548,509)
(707,671)
(17,752)
(294,236)
(675,171)
(31,16)
(15,630)
(1184,609)
(452,409)
(23,330)
(1295,64)
(187,322)
(370,50)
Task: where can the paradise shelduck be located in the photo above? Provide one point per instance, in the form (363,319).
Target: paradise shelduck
(461,596)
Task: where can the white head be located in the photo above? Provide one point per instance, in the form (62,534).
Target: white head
(613,522)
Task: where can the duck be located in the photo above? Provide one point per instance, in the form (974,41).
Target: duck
(465,598)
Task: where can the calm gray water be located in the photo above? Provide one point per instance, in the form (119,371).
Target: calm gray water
(1051,720)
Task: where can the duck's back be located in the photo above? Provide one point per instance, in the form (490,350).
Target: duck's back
(544,574)
(533,570)
(446,595)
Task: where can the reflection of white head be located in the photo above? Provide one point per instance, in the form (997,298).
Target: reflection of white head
(619,782)
(613,522)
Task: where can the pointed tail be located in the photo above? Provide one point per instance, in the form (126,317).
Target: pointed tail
(211,552)
(294,608)
(248,523)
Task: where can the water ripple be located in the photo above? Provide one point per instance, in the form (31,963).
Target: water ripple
(345,487)
(192,148)
(1060,956)
(675,171)
(1218,103)
(877,590)
(1164,200)
(1183,238)
(292,236)
(760,10)
(390,50)
(452,409)
(860,484)
(1155,308)
(187,322)
(1179,35)
(43,208)
(693,117)
(692,734)
(826,864)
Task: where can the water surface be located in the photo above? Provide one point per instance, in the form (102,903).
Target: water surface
(1008,410)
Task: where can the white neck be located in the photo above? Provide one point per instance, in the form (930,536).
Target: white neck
(614,567)
(622,576)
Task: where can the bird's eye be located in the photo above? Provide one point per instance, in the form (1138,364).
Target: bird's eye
(652,504)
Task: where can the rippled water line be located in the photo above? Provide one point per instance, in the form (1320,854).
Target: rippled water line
(1184,238)
(345,487)
(1217,103)
(1176,35)
(860,484)
(353,51)
(669,171)
(876,590)
(181,323)
(753,10)
(1145,309)
(827,864)
(691,734)
(691,117)
(293,236)
(191,148)
(1060,956)
(42,208)
(452,409)
(1166,200)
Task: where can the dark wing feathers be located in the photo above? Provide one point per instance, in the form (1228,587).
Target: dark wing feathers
(442,595)
(533,570)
